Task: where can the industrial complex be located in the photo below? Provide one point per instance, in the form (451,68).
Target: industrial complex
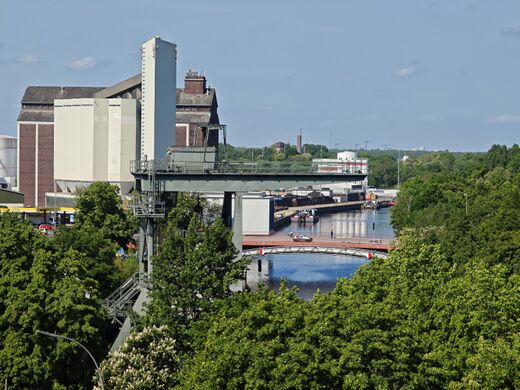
(147,135)
(69,137)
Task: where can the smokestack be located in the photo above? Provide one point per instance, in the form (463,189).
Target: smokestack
(299,142)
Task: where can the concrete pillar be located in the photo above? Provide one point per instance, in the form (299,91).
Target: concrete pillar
(226,209)
(237,221)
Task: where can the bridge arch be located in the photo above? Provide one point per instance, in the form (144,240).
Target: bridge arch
(282,250)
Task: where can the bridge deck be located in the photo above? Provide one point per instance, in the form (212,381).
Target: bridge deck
(234,176)
(381,244)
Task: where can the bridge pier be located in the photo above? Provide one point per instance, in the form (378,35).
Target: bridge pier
(237,221)
(226,209)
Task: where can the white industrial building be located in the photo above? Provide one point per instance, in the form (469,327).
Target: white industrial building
(159,94)
(257,215)
(96,138)
(8,159)
(345,162)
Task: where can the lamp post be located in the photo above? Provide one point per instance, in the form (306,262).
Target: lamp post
(58,336)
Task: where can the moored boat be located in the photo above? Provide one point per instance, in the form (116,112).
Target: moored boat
(303,216)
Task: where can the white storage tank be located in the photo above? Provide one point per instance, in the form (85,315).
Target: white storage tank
(8,161)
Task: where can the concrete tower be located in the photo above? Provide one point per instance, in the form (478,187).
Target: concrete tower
(159,68)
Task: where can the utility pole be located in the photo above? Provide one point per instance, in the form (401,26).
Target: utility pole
(357,146)
(366,144)
(330,139)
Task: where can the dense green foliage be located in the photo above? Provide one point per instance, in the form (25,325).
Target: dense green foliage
(102,227)
(269,153)
(41,288)
(383,166)
(99,206)
(470,212)
(441,312)
(194,267)
(55,284)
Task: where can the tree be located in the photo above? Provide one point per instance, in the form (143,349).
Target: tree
(44,289)
(249,344)
(383,171)
(99,206)
(190,273)
(147,360)
(98,254)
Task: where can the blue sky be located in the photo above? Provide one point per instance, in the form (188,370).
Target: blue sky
(410,73)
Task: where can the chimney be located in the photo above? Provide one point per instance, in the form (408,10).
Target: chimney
(194,83)
(299,142)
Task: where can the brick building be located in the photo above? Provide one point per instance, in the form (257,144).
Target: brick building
(36,139)
(196,110)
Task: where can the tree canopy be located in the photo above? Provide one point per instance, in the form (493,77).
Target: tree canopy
(43,289)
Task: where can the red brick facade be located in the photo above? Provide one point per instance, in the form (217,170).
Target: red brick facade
(36,169)
(45,161)
(194,84)
(27,163)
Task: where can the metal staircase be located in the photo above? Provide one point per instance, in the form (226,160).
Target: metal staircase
(122,299)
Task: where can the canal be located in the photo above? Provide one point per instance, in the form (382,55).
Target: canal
(310,272)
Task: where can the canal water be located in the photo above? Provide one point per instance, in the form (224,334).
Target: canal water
(310,272)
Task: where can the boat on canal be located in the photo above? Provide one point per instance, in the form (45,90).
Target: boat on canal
(306,215)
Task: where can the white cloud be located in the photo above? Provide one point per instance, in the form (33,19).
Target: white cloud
(84,63)
(504,119)
(511,32)
(406,71)
(27,59)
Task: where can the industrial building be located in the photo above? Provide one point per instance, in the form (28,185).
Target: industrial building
(345,162)
(8,160)
(69,137)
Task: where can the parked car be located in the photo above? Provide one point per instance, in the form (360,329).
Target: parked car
(301,238)
(45,227)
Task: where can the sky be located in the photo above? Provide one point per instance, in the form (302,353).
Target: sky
(399,74)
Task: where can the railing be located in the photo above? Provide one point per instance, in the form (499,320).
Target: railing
(120,300)
(239,168)
(281,250)
(148,207)
(324,237)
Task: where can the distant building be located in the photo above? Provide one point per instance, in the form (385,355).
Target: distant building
(279,146)
(299,143)
(345,162)
(71,136)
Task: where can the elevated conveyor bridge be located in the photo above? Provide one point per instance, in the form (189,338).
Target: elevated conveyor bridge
(157,183)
